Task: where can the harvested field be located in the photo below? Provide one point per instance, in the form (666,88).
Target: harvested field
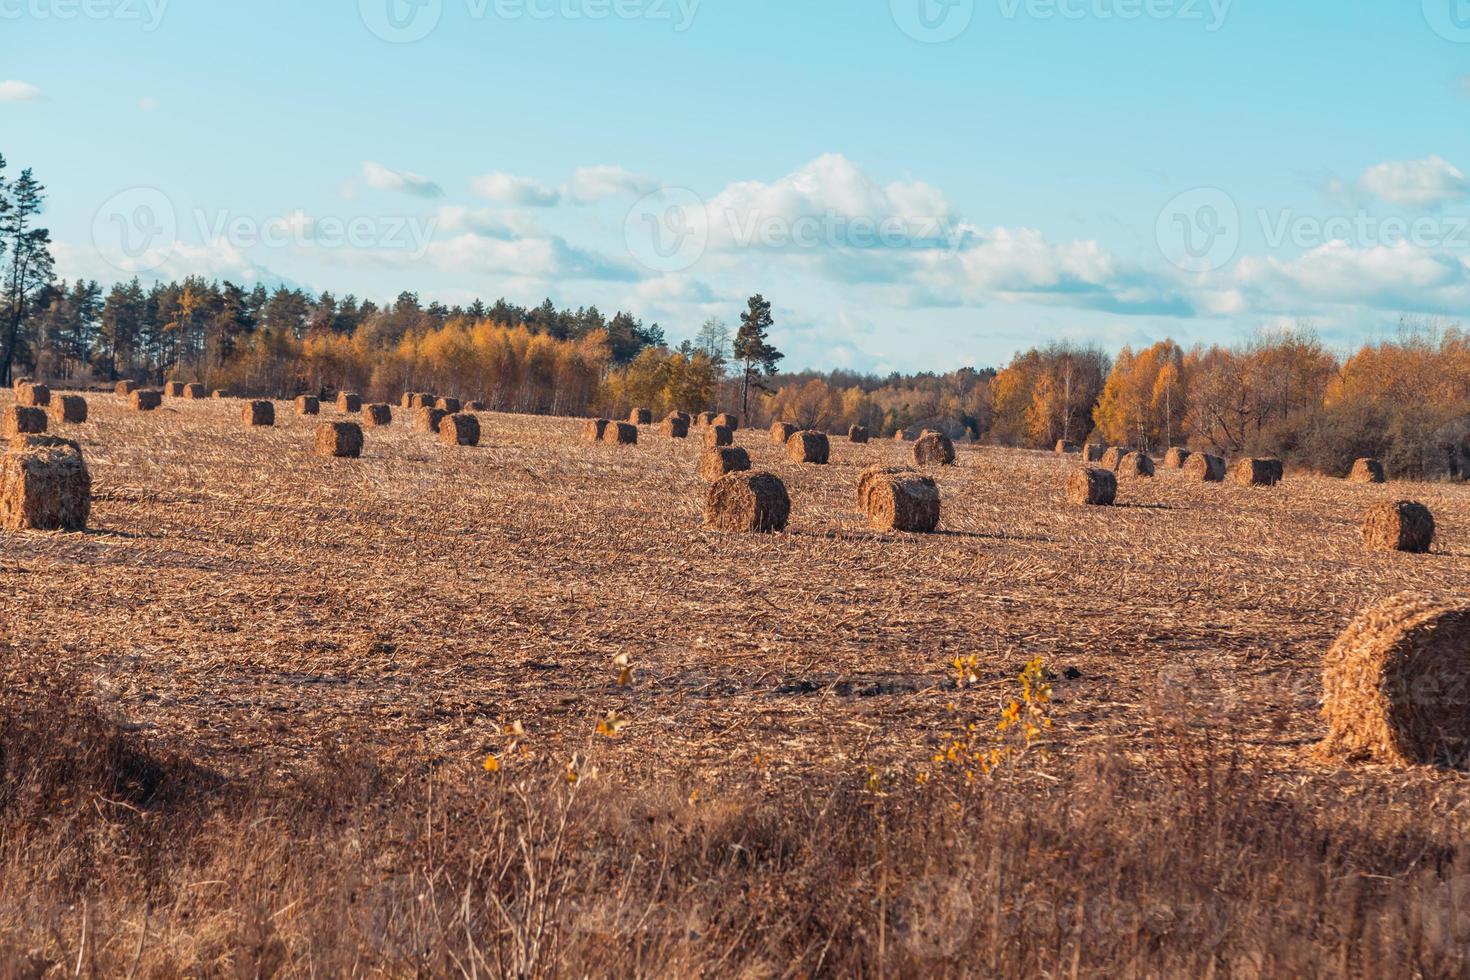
(778,679)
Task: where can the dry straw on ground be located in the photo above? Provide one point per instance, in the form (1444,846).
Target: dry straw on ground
(718,435)
(68,409)
(377,415)
(1204,468)
(32,395)
(349,402)
(259,414)
(620,433)
(459,429)
(641,416)
(1092,486)
(934,449)
(1176,457)
(1402,525)
(1065,448)
(1368,471)
(1136,465)
(897,500)
(339,439)
(308,405)
(145,399)
(44,488)
(1396,684)
(809,447)
(675,427)
(1257,472)
(747,502)
(781,432)
(124,388)
(193,392)
(857,433)
(22,419)
(593,429)
(715,463)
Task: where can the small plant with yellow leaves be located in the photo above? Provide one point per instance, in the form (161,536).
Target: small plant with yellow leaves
(1022,724)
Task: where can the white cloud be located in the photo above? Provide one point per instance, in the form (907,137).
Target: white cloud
(510,189)
(13,91)
(387,179)
(1400,277)
(1429,183)
(590,185)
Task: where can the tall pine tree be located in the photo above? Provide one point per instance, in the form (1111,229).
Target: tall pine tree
(756,357)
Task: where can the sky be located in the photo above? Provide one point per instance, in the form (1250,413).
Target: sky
(914,184)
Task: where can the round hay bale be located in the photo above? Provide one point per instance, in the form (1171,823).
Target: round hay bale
(124,388)
(68,409)
(900,500)
(719,435)
(688,419)
(1113,456)
(1092,486)
(459,429)
(1402,525)
(406,401)
(173,389)
(857,433)
(1368,471)
(1257,473)
(145,399)
(809,447)
(36,441)
(873,474)
(621,433)
(349,402)
(593,429)
(44,488)
(376,415)
(934,449)
(1204,468)
(308,405)
(781,432)
(747,503)
(1394,685)
(731,422)
(423,399)
(33,395)
(715,463)
(705,418)
(1176,458)
(19,420)
(342,440)
(449,406)
(641,416)
(193,392)
(259,414)
(474,406)
(428,420)
(1093,452)
(900,436)
(1136,464)
(25,380)
(220,394)
(675,427)
(1065,448)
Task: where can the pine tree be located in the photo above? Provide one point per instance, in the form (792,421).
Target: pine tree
(29,267)
(756,357)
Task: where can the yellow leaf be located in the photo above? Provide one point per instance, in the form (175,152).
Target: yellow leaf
(492,764)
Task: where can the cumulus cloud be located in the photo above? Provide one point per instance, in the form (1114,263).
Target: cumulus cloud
(1429,183)
(14,91)
(388,179)
(1400,277)
(510,189)
(551,258)
(589,185)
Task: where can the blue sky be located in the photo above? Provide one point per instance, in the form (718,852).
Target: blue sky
(916,184)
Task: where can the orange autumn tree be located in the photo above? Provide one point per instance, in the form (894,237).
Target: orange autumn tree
(1142,404)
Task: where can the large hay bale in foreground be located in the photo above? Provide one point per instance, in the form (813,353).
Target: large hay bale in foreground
(747,502)
(124,388)
(1368,471)
(38,441)
(731,422)
(1402,525)
(809,447)
(19,420)
(428,419)
(32,395)
(173,389)
(1396,682)
(193,392)
(449,406)
(857,433)
(44,488)
(1136,464)
(376,415)
(781,432)
(593,429)
(675,427)
(459,429)
(145,399)
(715,463)
(1065,448)
(898,500)
(259,414)
(1092,486)
(68,409)
(621,433)
(342,440)
(871,476)
(1093,452)
(1204,468)
(1257,473)
(641,416)
(719,435)
(934,449)
(1176,457)
(308,405)
(349,402)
